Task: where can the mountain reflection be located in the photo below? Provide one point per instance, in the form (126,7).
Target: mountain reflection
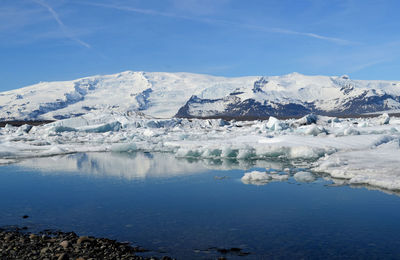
(137,165)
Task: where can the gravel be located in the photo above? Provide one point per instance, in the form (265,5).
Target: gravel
(19,244)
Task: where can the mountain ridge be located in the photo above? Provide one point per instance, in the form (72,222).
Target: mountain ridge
(190,95)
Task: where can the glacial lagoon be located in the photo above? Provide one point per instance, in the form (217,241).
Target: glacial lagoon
(201,208)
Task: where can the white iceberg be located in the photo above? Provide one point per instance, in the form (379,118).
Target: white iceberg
(303,176)
(261,178)
(360,150)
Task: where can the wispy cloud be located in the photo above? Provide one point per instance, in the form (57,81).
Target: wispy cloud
(13,18)
(306,34)
(64,29)
(376,54)
(222,22)
(135,10)
(360,67)
(363,59)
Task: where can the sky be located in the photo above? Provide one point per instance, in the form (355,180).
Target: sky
(51,40)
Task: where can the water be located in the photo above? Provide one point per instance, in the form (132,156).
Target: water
(189,208)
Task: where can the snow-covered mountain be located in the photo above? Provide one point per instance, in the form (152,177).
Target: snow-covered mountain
(189,95)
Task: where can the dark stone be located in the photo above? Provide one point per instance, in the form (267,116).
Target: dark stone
(235,249)
(63,256)
(222,250)
(48,244)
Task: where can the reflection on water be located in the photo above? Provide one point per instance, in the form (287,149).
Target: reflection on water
(342,182)
(138,165)
(131,166)
(190,208)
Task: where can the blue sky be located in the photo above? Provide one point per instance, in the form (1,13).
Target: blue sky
(47,40)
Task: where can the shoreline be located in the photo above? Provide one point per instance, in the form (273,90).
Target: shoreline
(18,123)
(27,122)
(19,243)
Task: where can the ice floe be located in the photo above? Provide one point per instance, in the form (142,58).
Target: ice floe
(261,178)
(304,176)
(361,150)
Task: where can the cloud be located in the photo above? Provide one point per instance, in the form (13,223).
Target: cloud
(133,9)
(221,22)
(306,34)
(65,30)
(352,60)
(362,66)
(15,17)
(377,54)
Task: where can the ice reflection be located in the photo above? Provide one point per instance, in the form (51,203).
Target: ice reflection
(131,166)
(343,182)
(137,165)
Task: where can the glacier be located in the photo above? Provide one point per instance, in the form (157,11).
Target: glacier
(352,150)
(189,95)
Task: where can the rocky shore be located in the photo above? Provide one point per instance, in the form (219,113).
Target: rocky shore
(16,243)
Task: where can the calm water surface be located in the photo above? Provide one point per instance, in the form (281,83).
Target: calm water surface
(188,208)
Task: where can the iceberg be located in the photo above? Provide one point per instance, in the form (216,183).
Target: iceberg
(262,178)
(304,176)
(360,150)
